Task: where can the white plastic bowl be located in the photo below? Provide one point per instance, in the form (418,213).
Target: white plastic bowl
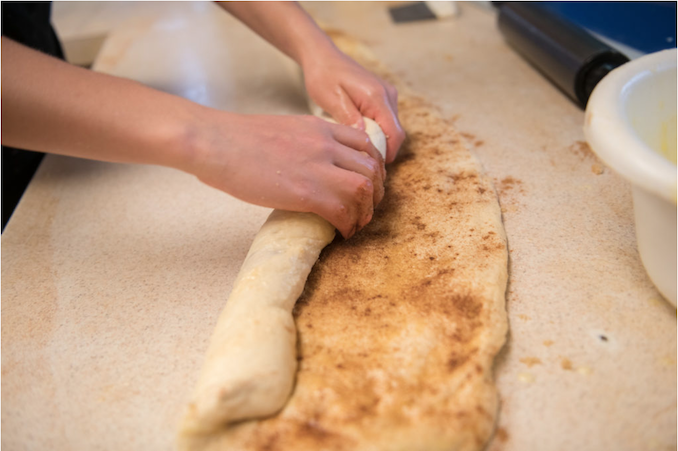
(631,125)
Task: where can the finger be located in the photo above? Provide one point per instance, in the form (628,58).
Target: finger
(360,141)
(392,94)
(380,108)
(394,109)
(346,201)
(395,135)
(363,164)
(359,190)
(343,110)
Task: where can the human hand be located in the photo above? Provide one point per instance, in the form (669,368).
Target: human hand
(347,91)
(297,163)
(339,85)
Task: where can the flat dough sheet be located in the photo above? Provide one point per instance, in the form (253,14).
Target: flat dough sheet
(399,326)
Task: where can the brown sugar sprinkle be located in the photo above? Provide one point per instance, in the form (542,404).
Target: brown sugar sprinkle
(597,168)
(530,361)
(501,435)
(456,361)
(508,184)
(582,149)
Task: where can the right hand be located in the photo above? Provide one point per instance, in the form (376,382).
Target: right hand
(348,91)
(297,163)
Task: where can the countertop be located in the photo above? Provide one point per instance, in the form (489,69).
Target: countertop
(113,275)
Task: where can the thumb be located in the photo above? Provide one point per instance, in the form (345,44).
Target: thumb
(344,111)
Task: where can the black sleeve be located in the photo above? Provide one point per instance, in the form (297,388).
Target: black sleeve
(29,24)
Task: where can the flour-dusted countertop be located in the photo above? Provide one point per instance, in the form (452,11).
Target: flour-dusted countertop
(113,275)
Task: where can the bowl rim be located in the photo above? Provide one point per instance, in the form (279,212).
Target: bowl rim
(609,132)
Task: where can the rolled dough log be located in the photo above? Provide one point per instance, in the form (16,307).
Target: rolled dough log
(251,360)
(398,327)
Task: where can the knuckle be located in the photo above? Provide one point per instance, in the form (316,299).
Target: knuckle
(377,92)
(364,191)
(330,149)
(373,168)
(303,192)
(363,186)
(340,218)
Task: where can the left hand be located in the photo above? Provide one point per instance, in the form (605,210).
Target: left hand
(347,91)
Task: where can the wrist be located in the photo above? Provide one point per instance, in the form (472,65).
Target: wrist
(316,52)
(182,142)
(204,145)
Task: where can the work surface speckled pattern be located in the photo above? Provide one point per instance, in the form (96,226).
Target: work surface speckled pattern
(113,275)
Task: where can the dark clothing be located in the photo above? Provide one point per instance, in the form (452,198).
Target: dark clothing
(28,24)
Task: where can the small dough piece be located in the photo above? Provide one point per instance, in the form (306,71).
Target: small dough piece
(376,136)
(251,361)
(372,129)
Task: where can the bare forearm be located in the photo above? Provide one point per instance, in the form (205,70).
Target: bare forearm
(285,25)
(297,163)
(54,107)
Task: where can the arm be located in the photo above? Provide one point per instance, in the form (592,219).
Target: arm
(333,80)
(55,107)
(293,163)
